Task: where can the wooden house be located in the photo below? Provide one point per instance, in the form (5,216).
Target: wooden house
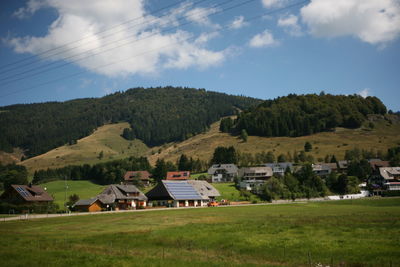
(144,177)
(180,175)
(89,205)
(26,194)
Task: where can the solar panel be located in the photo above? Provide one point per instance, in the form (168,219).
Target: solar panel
(23,192)
(181,190)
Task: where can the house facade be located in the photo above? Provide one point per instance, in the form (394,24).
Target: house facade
(279,168)
(390,178)
(123,197)
(89,205)
(223,173)
(322,169)
(253,178)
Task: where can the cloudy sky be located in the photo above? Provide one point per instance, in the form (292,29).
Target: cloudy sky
(54,50)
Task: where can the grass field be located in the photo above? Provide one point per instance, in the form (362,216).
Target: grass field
(84,189)
(106,138)
(383,136)
(228,191)
(345,233)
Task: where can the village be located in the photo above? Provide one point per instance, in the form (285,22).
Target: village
(179,189)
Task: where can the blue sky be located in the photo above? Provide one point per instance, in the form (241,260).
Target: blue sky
(101,46)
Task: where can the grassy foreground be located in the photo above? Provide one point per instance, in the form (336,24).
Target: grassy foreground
(346,233)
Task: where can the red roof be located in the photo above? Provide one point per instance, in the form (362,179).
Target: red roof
(379,163)
(144,175)
(183,175)
(32,193)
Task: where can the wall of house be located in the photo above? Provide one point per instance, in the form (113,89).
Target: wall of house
(95,207)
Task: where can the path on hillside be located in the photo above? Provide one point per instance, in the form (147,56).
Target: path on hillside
(44,216)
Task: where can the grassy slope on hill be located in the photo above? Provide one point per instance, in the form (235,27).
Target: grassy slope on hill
(106,138)
(84,189)
(381,137)
(345,233)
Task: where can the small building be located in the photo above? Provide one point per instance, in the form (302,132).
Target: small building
(223,172)
(343,165)
(333,166)
(279,168)
(175,194)
(206,190)
(376,164)
(180,175)
(123,197)
(391,177)
(322,169)
(26,194)
(253,178)
(88,205)
(144,177)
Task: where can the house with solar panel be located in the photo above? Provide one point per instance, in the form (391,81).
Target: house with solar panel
(26,194)
(172,193)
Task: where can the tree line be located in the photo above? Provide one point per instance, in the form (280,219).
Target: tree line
(156,115)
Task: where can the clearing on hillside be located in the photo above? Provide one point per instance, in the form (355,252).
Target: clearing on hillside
(104,144)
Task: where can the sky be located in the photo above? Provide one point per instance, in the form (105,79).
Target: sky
(56,50)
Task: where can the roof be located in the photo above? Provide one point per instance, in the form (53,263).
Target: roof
(86,202)
(333,166)
(377,163)
(181,175)
(390,173)
(321,167)
(32,193)
(181,190)
(228,168)
(143,175)
(123,192)
(256,170)
(205,189)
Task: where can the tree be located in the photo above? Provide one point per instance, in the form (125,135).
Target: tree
(282,158)
(333,159)
(244,135)
(224,155)
(101,155)
(307,147)
(72,199)
(184,163)
(226,125)
(13,176)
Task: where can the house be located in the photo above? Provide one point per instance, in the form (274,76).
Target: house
(343,165)
(322,169)
(206,190)
(333,166)
(279,168)
(89,205)
(175,194)
(253,178)
(123,197)
(223,172)
(144,176)
(390,177)
(376,164)
(26,194)
(181,175)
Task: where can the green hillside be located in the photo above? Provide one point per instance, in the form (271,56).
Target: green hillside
(84,189)
(104,144)
(157,115)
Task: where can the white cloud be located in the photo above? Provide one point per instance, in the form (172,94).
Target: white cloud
(238,23)
(290,24)
(142,49)
(372,21)
(200,16)
(364,93)
(263,39)
(273,3)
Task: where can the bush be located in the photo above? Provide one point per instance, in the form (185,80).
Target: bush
(392,193)
(6,208)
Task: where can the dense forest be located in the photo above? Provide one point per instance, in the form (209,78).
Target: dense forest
(299,115)
(157,115)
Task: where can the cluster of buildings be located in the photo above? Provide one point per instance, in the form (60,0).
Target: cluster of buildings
(179,190)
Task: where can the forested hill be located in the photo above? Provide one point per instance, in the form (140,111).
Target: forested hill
(299,115)
(157,115)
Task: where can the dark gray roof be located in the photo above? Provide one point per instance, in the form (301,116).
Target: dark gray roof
(229,168)
(85,202)
(205,189)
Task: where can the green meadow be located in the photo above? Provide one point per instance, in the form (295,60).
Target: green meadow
(340,233)
(84,189)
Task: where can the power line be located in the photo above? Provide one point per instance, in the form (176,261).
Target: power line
(99,32)
(150,51)
(46,67)
(47,54)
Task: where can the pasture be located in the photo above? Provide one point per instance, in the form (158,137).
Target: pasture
(345,233)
